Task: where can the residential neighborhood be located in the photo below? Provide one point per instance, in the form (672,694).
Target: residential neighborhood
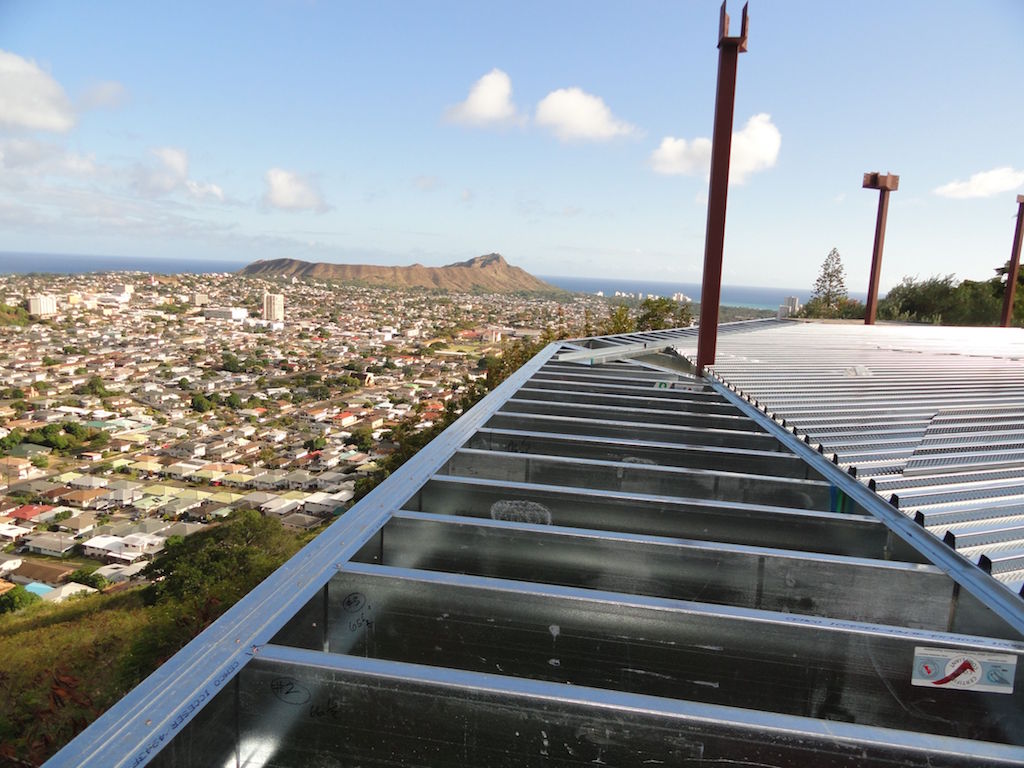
(135,408)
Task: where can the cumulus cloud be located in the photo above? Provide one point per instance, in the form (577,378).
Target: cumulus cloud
(291,192)
(983,184)
(571,114)
(678,156)
(30,98)
(489,102)
(754,148)
(171,175)
(107,94)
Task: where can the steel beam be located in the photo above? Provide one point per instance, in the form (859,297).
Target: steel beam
(729,49)
(646,514)
(639,478)
(374,712)
(770,463)
(608,427)
(745,576)
(1014,269)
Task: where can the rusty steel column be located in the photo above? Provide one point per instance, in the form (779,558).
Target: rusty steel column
(1014,270)
(885,184)
(729,49)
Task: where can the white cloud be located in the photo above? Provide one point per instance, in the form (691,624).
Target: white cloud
(983,184)
(29,156)
(291,192)
(677,156)
(171,175)
(107,94)
(201,190)
(164,178)
(489,102)
(754,148)
(175,161)
(573,114)
(30,98)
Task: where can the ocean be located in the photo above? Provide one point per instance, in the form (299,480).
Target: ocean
(13,262)
(732,295)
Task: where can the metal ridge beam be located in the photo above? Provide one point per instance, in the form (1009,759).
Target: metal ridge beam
(1006,605)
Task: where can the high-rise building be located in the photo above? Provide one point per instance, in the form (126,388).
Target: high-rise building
(789,307)
(273,307)
(42,305)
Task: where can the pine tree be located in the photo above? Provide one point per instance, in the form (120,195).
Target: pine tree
(830,287)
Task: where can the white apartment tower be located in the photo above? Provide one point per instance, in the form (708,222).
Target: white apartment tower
(273,307)
(42,305)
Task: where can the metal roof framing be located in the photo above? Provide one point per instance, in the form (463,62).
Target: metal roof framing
(604,561)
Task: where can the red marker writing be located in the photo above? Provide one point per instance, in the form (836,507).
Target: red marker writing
(965,666)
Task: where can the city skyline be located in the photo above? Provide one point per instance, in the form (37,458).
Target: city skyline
(570,138)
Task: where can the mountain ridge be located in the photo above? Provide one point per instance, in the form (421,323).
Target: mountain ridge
(489,272)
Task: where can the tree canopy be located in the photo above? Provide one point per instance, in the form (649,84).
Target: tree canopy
(830,287)
(618,321)
(221,562)
(830,297)
(16,598)
(942,300)
(657,313)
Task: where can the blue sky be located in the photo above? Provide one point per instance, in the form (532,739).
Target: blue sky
(566,136)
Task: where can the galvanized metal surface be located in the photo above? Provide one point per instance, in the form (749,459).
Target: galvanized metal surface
(599,564)
(930,417)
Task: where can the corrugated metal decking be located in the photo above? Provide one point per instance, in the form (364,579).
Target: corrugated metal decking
(932,416)
(604,562)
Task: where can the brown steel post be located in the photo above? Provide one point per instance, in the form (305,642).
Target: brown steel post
(1014,270)
(729,49)
(885,185)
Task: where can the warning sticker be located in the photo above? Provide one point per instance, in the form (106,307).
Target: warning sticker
(964,670)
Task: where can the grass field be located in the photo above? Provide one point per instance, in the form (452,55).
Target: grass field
(63,665)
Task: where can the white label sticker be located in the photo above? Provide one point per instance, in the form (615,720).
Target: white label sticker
(964,670)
